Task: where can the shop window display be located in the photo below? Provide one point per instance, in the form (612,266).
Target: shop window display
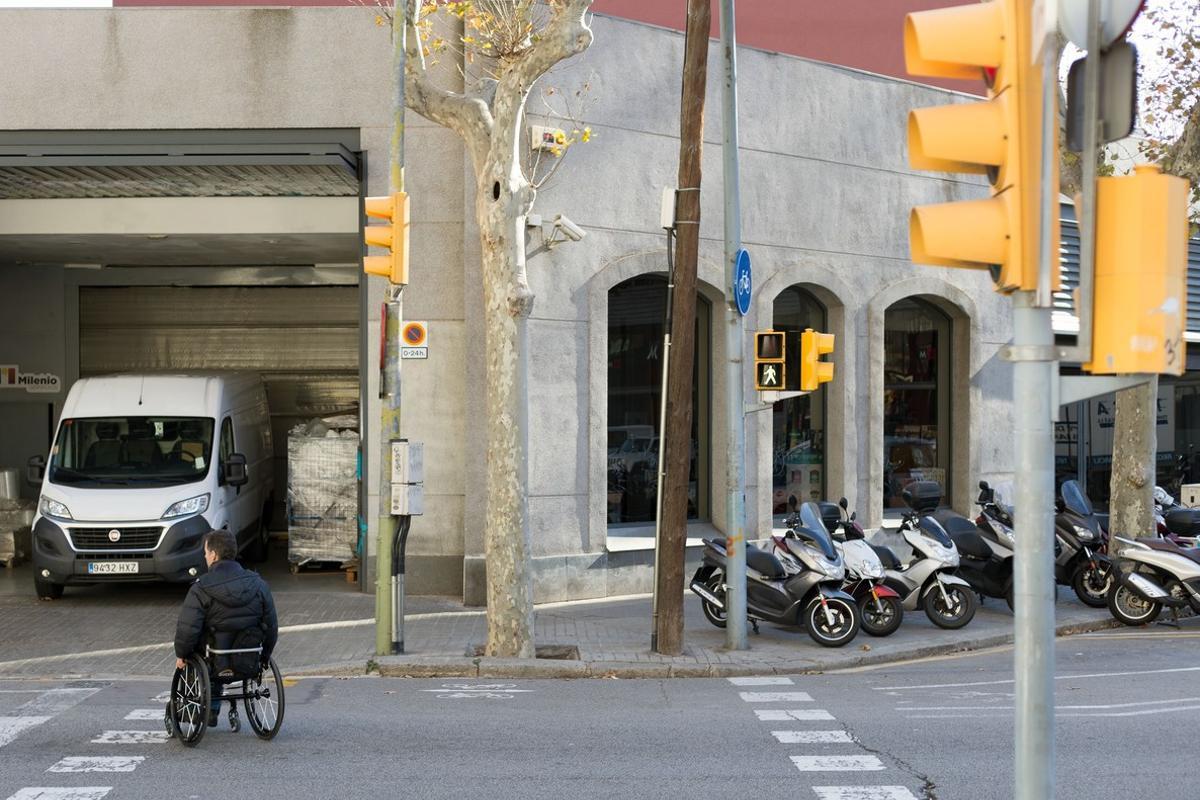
(798,425)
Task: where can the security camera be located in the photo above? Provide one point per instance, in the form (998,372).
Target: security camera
(569,229)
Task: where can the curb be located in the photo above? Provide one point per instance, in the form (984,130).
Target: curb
(484,667)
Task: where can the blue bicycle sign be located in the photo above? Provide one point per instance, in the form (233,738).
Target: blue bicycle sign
(742,282)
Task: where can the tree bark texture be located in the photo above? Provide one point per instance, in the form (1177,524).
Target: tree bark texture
(491,130)
(1131,507)
(683,332)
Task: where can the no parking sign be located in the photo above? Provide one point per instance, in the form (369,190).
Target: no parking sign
(414,338)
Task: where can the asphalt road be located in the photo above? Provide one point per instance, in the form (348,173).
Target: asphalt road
(934,729)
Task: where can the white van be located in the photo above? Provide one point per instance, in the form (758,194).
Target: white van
(144,465)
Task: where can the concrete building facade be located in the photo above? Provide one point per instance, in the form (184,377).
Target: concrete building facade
(204,160)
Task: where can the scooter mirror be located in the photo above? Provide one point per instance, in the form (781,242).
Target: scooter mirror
(854,516)
(983,486)
(845,504)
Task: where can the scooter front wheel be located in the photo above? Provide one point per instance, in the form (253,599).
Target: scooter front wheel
(715,614)
(832,623)
(954,611)
(1092,584)
(1131,608)
(882,617)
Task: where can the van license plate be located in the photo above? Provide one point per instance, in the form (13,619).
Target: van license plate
(112,567)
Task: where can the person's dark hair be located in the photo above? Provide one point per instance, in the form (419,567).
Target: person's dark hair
(222,544)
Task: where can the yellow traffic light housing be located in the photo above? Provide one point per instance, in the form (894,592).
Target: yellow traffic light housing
(999,137)
(770,361)
(393,237)
(814,371)
(1140,285)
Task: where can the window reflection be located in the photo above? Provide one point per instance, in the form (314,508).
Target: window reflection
(798,426)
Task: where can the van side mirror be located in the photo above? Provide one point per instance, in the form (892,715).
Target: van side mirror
(35,471)
(234,470)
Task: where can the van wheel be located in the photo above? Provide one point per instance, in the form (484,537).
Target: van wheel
(257,549)
(47,590)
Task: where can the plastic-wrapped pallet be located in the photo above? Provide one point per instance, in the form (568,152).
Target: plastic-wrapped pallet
(322,493)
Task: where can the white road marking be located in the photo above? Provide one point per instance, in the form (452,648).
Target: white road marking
(55,701)
(800,714)
(61,793)
(145,714)
(12,727)
(131,737)
(813,737)
(863,793)
(1095,707)
(776,697)
(162,697)
(761,681)
(837,763)
(1056,677)
(97,764)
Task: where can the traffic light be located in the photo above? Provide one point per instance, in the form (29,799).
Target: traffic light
(394,237)
(814,371)
(999,137)
(1140,286)
(770,361)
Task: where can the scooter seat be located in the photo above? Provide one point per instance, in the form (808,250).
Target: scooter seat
(763,562)
(955,523)
(886,556)
(970,544)
(1170,547)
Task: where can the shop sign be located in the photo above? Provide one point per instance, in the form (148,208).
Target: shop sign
(11,377)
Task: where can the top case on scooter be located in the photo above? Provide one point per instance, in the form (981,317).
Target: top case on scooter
(1183,521)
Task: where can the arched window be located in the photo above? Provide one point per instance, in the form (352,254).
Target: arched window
(636,323)
(916,398)
(798,427)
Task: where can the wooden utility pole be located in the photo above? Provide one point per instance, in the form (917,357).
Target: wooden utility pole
(669,633)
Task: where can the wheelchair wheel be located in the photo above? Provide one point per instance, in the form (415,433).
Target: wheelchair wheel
(264,701)
(188,707)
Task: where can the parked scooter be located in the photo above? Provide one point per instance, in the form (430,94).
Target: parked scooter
(985,547)
(1175,522)
(1079,560)
(810,596)
(928,582)
(1150,574)
(879,606)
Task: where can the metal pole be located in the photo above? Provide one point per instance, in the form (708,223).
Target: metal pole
(1086,215)
(735,441)
(386,585)
(662,443)
(1033,371)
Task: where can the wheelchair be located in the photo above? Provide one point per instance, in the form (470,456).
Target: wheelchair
(261,695)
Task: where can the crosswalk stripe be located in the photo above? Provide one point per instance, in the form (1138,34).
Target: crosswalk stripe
(776,697)
(145,715)
(61,793)
(764,680)
(798,714)
(97,764)
(12,727)
(131,737)
(813,737)
(837,763)
(863,793)
(161,697)
(55,701)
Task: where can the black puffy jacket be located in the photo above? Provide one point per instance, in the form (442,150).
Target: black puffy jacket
(220,604)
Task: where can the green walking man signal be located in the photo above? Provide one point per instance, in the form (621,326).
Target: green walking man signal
(770,362)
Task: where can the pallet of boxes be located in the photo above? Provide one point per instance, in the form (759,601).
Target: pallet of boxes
(16,517)
(322,494)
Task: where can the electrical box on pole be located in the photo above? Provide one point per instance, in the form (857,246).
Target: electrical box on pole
(814,371)
(1140,284)
(770,361)
(1000,137)
(393,237)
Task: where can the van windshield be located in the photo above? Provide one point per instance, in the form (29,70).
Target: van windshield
(123,451)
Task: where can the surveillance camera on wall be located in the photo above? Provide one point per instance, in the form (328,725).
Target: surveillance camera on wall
(569,229)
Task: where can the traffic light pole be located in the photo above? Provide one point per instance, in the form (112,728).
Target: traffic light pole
(735,337)
(389,586)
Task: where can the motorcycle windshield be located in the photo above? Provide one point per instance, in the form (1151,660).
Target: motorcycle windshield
(810,517)
(934,530)
(1075,500)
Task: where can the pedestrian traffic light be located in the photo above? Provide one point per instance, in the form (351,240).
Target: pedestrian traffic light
(999,137)
(394,237)
(814,371)
(770,361)
(1140,285)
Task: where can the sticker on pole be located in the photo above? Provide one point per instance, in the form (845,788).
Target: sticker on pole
(414,338)
(742,281)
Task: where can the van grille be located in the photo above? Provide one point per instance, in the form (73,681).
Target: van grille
(131,538)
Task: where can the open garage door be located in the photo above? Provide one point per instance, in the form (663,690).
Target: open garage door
(304,340)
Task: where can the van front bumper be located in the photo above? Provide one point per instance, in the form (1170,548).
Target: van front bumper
(58,551)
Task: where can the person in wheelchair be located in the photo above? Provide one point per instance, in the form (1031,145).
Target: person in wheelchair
(227,608)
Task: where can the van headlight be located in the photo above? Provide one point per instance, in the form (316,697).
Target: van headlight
(53,508)
(193,505)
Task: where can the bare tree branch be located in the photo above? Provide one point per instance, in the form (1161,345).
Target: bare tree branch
(565,35)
